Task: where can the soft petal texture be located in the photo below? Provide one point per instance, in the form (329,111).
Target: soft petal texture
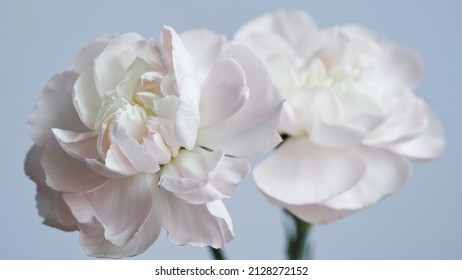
(200,225)
(55,109)
(65,173)
(249,131)
(351,120)
(307,173)
(121,139)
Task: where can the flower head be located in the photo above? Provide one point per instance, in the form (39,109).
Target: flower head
(138,135)
(351,118)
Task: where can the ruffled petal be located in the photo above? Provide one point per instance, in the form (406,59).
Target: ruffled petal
(282,29)
(198,225)
(223,92)
(55,109)
(67,174)
(205,48)
(109,67)
(177,60)
(123,205)
(300,172)
(252,130)
(386,173)
(86,99)
(427,145)
(190,170)
(230,173)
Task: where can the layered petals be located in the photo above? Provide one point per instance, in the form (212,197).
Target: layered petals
(351,121)
(140,135)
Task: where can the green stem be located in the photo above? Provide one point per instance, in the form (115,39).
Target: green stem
(217,254)
(297,248)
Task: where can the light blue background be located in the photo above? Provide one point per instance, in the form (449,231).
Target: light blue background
(421,221)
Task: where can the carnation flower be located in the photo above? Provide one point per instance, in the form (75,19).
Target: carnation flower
(351,120)
(138,135)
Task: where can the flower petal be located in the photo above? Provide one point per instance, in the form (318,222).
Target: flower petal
(386,173)
(230,173)
(205,48)
(67,174)
(427,145)
(78,145)
(86,99)
(223,92)
(190,171)
(250,131)
(123,205)
(55,109)
(316,213)
(198,225)
(300,172)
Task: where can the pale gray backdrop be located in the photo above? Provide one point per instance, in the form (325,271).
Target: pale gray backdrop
(422,221)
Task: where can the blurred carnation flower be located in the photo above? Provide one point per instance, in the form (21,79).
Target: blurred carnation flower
(137,136)
(352,122)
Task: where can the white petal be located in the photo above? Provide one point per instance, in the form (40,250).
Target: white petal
(109,69)
(427,145)
(198,225)
(46,197)
(386,173)
(190,171)
(250,131)
(284,29)
(125,154)
(78,145)
(86,99)
(300,172)
(187,118)
(123,206)
(205,48)
(230,173)
(223,92)
(55,109)
(67,174)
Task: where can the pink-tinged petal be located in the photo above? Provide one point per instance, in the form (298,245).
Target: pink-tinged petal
(427,145)
(230,173)
(84,59)
(224,92)
(406,119)
(176,57)
(300,172)
(123,205)
(205,48)
(178,61)
(252,130)
(109,68)
(281,28)
(67,174)
(333,135)
(46,197)
(386,173)
(198,225)
(190,171)
(86,99)
(156,148)
(78,145)
(187,118)
(55,109)
(125,152)
(399,67)
(316,213)
(92,239)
